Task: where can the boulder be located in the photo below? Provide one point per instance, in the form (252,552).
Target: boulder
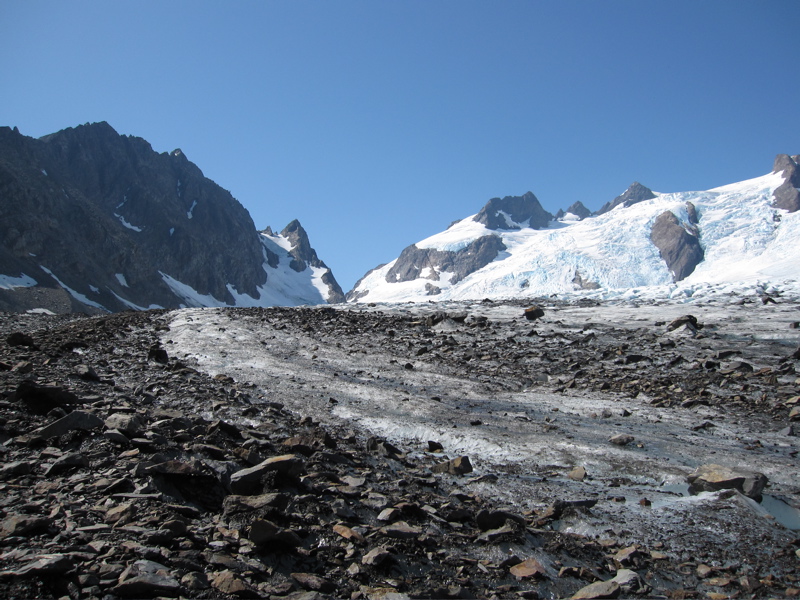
(263,532)
(41,399)
(621,439)
(528,569)
(147,579)
(376,556)
(713,477)
(247,480)
(688,321)
(131,424)
(76,420)
(229,582)
(458,466)
(533,313)
(599,589)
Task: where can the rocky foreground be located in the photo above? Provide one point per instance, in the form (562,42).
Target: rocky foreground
(127,472)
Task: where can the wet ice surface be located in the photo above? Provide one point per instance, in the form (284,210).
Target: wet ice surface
(531,436)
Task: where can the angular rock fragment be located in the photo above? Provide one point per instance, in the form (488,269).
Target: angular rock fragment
(348,533)
(246,481)
(713,477)
(86,373)
(245,504)
(76,420)
(23,525)
(312,582)
(492,519)
(229,582)
(131,424)
(533,313)
(621,439)
(44,565)
(71,460)
(16,468)
(599,589)
(263,532)
(401,530)
(458,466)
(195,581)
(41,399)
(493,535)
(376,556)
(528,569)
(146,579)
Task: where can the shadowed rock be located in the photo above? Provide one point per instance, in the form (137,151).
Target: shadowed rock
(514,212)
(415,263)
(634,194)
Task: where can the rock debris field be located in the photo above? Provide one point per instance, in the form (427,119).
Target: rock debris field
(448,450)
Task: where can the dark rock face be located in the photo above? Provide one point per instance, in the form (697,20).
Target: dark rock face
(679,245)
(514,212)
(413,261)
(634,194)
(579,210)
(106,218)
(787,195)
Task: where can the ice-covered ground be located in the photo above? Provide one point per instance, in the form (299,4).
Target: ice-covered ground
(535,436)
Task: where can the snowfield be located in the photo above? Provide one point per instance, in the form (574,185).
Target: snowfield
(748,245)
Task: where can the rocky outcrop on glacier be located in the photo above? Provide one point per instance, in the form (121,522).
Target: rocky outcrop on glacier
(430,263)
(787,195)
(678,242)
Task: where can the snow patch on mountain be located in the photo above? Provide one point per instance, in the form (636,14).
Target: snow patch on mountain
(8,282)
(284,286)
(75,294)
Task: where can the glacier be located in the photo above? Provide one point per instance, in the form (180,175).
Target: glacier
(750,247)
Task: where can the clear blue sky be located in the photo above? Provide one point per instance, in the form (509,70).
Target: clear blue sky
(377,123)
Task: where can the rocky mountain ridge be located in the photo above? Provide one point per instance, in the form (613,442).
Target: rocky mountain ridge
(94,221)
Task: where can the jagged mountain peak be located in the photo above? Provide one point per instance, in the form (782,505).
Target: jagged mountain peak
(577,209)
(635,193)
(514,212)
(106,223)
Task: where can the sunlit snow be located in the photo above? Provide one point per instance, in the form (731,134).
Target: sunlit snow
(284,285)
(747,244)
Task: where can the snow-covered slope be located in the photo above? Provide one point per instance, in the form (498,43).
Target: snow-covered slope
(740,239)
(290,282)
